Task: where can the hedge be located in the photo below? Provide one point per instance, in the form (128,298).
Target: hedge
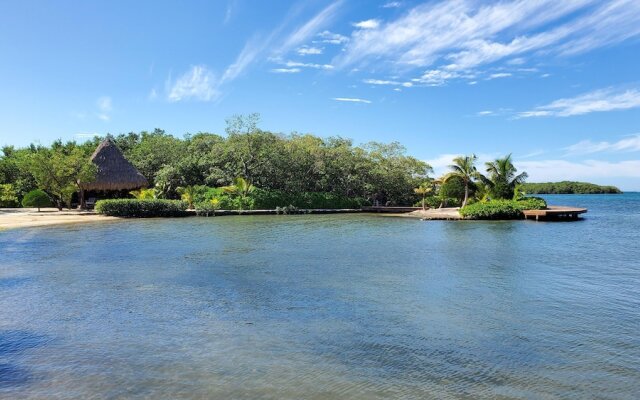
(502,209)
(133,208)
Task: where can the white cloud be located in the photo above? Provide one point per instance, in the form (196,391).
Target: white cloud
(104,108)
(198,83)
(286,70)
(295,64)
(352,100)
(392,4)
(596,101)
(332,38)
(367,24)
(86,135)
(484,113)
(387,82)
(311,27)
(153,94)
(468,33)
(251,50)
(438,77)
(308,50)
(499,75)
(628,144)
(589,170)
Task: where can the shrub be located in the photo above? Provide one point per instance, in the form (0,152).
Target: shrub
(36,198)
(494,209)
(532,203)
(502,209)
(207,208)
(133,208)
(8,196)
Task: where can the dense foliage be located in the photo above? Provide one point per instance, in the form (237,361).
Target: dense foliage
(568,187)
(501,208)
(8,196)
(287,164)
(36,199)
(134,208)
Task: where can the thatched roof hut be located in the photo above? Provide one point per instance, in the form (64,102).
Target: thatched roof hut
(115,172)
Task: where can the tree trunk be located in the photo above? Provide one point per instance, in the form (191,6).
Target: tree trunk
(423,203)
(466,194)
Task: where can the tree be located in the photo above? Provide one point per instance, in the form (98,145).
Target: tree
(187,194)
(8,195)
(424,189)
(502,180)
(36,198)
(144,194)
(59,169)
(241,189)
(465,169)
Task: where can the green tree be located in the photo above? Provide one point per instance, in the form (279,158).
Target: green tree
(464,168)
(241,189)
(187,194)
(502,179)
(8,195)
(36,198)
(59,169)
(423,190)
(144,194)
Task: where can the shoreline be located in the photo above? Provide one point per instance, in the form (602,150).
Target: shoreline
(15,218)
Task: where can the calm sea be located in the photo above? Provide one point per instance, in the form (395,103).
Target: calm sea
(325,307)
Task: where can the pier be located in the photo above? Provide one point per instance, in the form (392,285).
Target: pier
(555,213)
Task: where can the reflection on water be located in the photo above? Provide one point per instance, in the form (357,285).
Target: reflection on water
(350,306)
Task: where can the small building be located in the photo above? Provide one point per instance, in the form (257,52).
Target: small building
(114,174)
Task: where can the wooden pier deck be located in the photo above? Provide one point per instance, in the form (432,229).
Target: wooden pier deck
(555,212)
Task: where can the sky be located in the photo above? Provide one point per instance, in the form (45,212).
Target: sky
(555,83)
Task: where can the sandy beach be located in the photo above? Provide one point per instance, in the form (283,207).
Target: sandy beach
(436,214)
(11,218)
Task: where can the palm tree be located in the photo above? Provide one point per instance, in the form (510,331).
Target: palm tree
(464,168)
(187,194)
(241,187)
(502,179)
(424,189)
(144,194)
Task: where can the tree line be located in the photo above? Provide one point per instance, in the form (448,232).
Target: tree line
(291,163)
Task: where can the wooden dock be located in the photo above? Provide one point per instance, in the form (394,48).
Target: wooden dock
(555,213)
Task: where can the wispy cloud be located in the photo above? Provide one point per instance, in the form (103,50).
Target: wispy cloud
(352,100)
(465,34)
(557,170)
(367,24)
(331,38)
(627,144)
(309,50)
(596,101)
(499,75)
(104,108)
(387,82)
(311,27)
(86,135)
(198,83)
(286,70)
(295,64)
(392,4)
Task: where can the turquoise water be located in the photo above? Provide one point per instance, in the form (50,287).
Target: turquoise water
(322,307)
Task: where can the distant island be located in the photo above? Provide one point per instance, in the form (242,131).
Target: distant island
(568,187)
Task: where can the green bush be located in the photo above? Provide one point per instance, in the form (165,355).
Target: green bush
(502,209)
(206,209)
(532,203)
(37,199)
(8,196)
(494,209)
(133,208)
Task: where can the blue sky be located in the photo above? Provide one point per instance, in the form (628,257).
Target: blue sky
(557,83)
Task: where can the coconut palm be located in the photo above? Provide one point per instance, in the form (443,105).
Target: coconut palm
(502,179)
(187,194)
(424,189)
(241,187)
(464,168)
(144,194)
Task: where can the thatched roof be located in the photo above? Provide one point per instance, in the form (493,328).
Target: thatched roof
(115,172)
